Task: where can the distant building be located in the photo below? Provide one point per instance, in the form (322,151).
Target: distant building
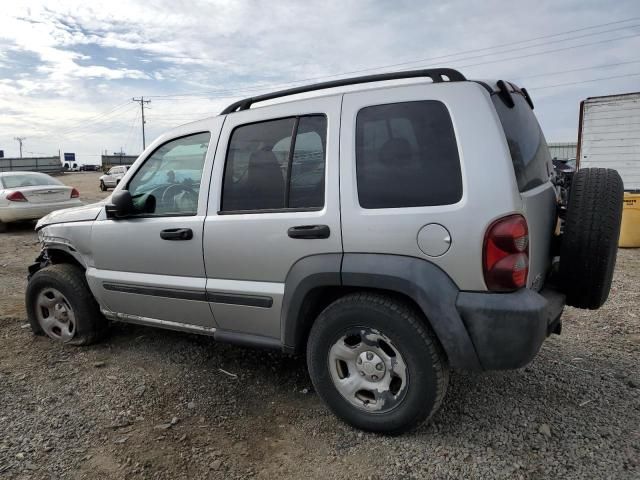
(117,159)
(563,151)
(32,164)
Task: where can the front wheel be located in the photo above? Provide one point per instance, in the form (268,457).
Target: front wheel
(103,187)
(376,363)
(61,306)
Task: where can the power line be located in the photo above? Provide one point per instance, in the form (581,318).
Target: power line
(142,101)
(430,59)
(87,121)
(542,87)
(127,142)
(584,81)
(516,57)
(548,74)
(68,131)
(518,48)
(107,115)
(548,51)
(83,129)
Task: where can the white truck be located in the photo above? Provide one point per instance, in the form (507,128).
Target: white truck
(609,136)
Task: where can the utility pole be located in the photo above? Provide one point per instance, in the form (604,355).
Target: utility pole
(20,140)
(142,101)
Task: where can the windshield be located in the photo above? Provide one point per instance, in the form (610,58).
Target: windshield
(27,180)
(528,147)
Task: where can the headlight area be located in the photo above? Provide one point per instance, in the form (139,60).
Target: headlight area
(40,262)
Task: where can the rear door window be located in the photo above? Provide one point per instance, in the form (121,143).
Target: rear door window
(276,165)
(527,145)
(407,156)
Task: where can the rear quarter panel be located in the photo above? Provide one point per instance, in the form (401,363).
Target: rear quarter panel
(489,186)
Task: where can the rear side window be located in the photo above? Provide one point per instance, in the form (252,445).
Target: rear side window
(407,156)
(528,147)
(276,165)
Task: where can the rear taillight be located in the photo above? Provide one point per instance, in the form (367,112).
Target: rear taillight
(75,193)
(506,254)
(16,197)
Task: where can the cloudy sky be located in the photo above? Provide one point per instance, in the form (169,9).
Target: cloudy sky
(68,69)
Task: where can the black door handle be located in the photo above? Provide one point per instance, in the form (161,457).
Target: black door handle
(309,231)
(176,234)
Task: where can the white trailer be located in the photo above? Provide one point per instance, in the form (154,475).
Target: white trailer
(609,136)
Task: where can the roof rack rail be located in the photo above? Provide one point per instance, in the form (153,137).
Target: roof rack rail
(436,74)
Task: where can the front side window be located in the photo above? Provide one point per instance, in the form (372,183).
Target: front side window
(407,156)
(168,182)
(277,164)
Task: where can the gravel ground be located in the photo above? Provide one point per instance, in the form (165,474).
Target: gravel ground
(149,403)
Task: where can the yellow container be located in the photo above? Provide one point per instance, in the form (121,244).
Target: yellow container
(630,229)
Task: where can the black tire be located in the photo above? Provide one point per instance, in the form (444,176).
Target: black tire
(3,227)
(103,187)
(426,365)
(90,324)
(590,239)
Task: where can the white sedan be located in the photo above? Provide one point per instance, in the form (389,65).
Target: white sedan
(32,195)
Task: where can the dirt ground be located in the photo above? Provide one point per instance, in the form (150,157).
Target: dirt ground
(148,403)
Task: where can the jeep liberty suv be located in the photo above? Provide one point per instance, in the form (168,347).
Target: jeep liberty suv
(391,230)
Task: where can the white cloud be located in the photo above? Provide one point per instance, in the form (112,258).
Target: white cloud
(168,47)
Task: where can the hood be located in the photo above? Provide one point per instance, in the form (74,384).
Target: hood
(75,214)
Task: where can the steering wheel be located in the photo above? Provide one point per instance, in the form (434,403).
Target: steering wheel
(180,187)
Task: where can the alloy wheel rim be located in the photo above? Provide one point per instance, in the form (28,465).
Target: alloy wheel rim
(368,370)
(55,315)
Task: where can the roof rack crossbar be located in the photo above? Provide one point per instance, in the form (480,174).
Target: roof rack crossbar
(437,75)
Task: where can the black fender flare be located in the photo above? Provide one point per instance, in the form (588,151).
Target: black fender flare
(307,274)
(425,283)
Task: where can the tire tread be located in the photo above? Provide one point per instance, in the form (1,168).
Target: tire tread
(590,237)
(92,325)
(404,312)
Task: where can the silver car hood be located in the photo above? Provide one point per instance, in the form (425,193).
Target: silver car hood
(75,214)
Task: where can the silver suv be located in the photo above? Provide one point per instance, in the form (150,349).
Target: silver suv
(389,230)
(112,178)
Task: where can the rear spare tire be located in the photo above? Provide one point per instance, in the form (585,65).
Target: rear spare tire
(590,239)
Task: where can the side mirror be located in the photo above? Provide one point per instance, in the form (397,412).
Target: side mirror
(121,204)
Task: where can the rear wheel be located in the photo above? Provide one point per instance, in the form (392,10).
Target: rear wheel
(61,306)
(590,239)
(376,364)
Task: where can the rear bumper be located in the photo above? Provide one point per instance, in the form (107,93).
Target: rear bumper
(27,211)
(508,329)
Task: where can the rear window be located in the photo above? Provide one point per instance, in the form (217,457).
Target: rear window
(407,156)
(28,180)
(528,147)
